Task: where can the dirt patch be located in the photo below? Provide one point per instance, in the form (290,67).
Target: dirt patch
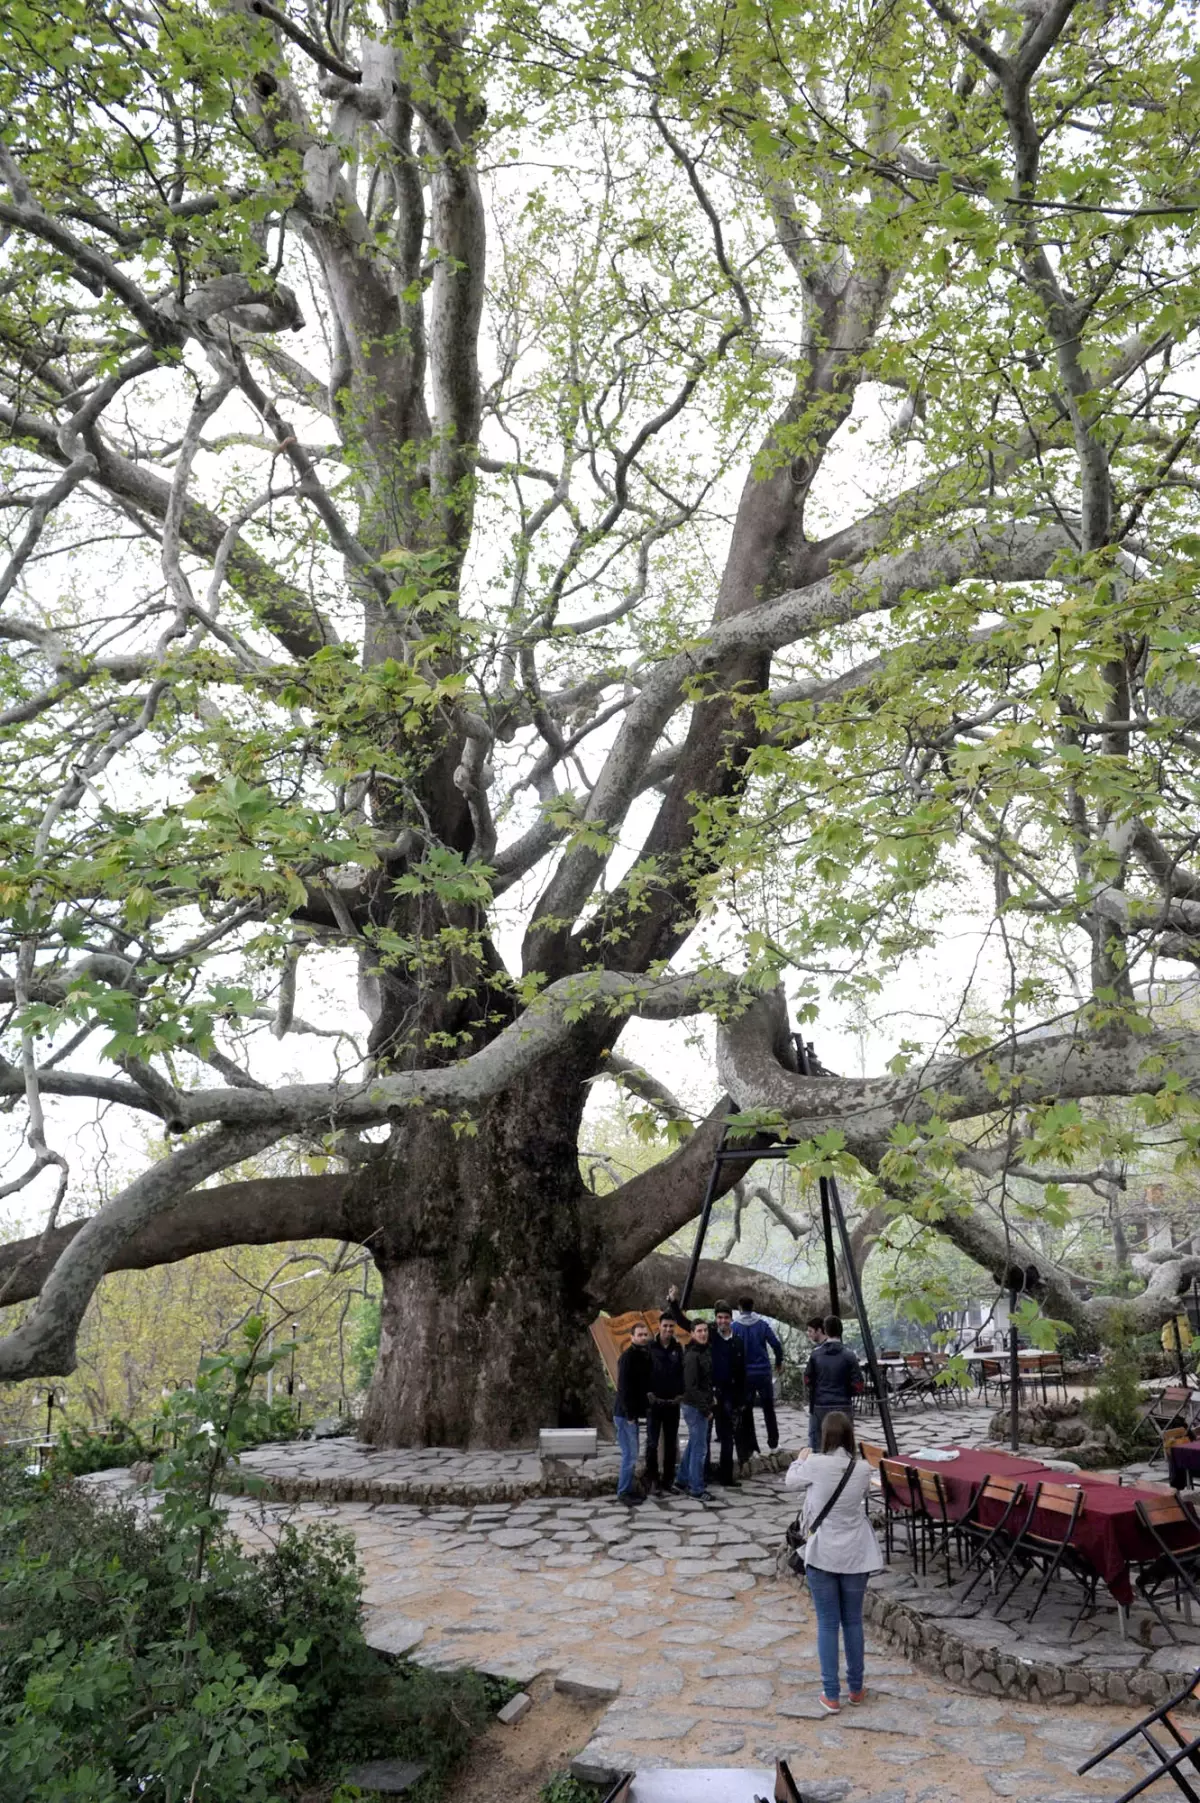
(514,1763)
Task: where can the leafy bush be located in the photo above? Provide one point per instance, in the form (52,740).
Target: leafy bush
(81,1450)
(78,1451)
(147,1656)
(565,1789)
(1115,1403)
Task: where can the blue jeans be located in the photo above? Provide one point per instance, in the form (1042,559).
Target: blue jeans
(816,1417)
(627,1440)
(838,1600)
(695,1453)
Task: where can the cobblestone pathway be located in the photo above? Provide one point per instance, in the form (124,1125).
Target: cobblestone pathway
(676,1614)
(711,1657)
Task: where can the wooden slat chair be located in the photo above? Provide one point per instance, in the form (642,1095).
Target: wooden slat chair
(1174,1406)
(1053,1553)
(990,1544)
(918,1379)
(946,1392)
(900,1503)
(993,1375)
(1180,1763)
(1177,1562)
(934,1520)
(1053,1374)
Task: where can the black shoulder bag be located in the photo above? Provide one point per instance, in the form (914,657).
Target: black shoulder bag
(798,1535)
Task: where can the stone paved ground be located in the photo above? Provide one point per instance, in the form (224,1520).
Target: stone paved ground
(679,1606)
(676,1608)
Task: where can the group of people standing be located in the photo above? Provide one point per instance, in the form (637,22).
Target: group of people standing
(713,1384)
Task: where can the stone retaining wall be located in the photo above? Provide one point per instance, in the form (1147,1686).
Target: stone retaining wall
(443,1485)
(984,1655)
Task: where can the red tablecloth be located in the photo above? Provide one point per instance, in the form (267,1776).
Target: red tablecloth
(1183,1458)
(1108,1532)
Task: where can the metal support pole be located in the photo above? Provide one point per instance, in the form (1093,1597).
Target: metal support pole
(885,1413)
(1014,1374)
(835,1307)
(702,1229)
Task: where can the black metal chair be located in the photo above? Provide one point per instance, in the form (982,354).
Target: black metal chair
(1036,1550)
(1177,1562)
(993,1374)
(1162,1762)
(919,1385)
(990,1543)
(934,1522)
(900,1503)
(1174,1406)
(1053,1375)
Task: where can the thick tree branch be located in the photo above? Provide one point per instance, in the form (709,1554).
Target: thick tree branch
(1040,1066)
(646,1285)
(261,1212)
(44,1344)
(1016,553)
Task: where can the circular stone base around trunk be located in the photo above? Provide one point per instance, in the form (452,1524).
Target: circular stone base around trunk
(348,1470)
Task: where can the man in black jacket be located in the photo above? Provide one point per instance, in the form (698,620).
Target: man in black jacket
(634,1375)
(832,1377)
(728,1376)
(662,1421)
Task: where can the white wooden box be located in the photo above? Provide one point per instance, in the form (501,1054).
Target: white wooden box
(567,1443)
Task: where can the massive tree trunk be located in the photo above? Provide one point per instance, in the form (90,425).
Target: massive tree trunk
(482,1250)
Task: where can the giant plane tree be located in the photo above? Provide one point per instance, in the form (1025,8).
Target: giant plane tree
(558,515)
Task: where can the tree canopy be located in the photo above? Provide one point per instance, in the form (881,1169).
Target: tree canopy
(559,515)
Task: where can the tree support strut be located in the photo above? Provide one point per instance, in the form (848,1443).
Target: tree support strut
(831,1212)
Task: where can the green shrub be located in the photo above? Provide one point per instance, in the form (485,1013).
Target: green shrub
(366,1323)
(1115,1403)
(79,1450)
(147,1656)
(565,1789)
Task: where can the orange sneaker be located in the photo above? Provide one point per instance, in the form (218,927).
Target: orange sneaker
(858,1696)
(830,1708)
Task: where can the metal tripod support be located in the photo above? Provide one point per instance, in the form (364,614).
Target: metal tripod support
(832,1214)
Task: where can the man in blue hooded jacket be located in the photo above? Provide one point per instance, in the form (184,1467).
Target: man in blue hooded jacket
(760,1340)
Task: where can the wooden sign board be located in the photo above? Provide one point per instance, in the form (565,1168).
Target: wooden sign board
(612,1334)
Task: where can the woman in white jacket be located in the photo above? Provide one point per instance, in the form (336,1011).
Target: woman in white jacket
(840,1556)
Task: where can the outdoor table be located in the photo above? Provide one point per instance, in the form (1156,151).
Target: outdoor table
(980,1358)
(1108,1533)
(1182,1459)
(709,1784)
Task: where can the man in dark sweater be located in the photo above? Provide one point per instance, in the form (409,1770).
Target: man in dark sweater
(662,1421)
(635,1373)
(728,1376)
(832,1377)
